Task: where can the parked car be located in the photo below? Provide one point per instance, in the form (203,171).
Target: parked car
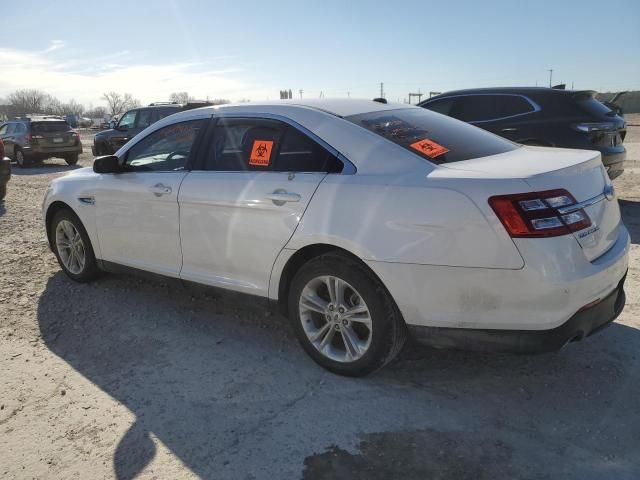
(364,221)
(38,138)
(133,122)
(5,172)
(541,116)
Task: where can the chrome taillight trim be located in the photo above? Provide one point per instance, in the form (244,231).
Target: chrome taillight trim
(581,205)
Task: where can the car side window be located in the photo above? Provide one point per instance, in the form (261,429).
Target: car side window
(145,118)
(443,106)
(128,119)
(11,128)
(515,105)
(3,129)
(476,108)
(299,153)
(244,144)
(165,150)
(20,128)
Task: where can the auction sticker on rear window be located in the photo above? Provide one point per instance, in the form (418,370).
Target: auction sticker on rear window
(429,148)
(261,153)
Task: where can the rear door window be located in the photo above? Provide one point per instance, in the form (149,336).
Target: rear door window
(514,105)
(436,138)
(244,144)
(299,153)
(477,108)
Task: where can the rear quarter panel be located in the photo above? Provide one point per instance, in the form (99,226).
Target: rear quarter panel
(409,219)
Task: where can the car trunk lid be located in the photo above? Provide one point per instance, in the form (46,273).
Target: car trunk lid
(580,172)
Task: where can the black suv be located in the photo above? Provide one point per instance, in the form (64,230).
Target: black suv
(107,142)
(38,138)
(541,116)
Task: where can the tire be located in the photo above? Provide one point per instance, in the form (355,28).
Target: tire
(21,160)
(84,271)
(3,191)
(378,344)
(71,159)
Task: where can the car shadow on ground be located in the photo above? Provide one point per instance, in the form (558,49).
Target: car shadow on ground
(630,210)
(43,168)
(3,209)
(225,387)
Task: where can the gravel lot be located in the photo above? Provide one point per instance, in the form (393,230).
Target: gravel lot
(128,377)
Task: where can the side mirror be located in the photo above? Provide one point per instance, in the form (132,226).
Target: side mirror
(107,164)
(122,128)
(112,124)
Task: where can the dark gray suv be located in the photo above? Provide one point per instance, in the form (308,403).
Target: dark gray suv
(35,139)
(107,142)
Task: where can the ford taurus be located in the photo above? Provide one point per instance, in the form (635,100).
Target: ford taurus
(366,222)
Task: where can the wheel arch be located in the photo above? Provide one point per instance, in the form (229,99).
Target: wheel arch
(304,255)
(54,208)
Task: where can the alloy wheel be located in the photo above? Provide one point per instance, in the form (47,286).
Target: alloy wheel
(70,247)
(335,318)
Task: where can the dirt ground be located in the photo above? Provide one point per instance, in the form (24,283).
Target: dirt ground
(128,378)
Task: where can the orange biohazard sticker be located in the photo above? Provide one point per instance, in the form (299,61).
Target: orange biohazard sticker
(261,153)
(429,148)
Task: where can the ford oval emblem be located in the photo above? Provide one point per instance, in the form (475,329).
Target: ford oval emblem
(609,192)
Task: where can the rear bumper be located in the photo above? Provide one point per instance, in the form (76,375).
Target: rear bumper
(556,282)
(45,152)
(582,324)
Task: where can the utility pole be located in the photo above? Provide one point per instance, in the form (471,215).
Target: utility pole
(301,92)
(550,76)
(381,90)
(348,94)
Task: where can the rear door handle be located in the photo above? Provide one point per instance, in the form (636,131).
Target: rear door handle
(280,197)
(511,129)
(160,189)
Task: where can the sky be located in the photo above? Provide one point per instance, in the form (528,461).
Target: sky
(251,49)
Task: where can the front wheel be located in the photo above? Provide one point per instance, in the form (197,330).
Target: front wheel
(72,247)
(343,316)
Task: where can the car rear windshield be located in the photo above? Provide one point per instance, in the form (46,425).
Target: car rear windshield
(49,127)
(438,138)
(593,107)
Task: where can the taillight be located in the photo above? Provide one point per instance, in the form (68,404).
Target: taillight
(594,127)
(537,214)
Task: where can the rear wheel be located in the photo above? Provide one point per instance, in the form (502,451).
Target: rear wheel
(20,158)
(71,159)
(343,316)
(72,247)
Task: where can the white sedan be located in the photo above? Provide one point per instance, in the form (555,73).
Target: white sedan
(364,221)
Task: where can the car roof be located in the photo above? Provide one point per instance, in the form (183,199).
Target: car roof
(509,90)
(340,107)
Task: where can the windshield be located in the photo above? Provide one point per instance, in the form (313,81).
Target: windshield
(438,138)
(49,127)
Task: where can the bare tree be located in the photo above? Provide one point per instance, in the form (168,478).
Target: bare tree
(73,107)
(28,101)
(180,97)
(118,103)
(97,112)
(219,101)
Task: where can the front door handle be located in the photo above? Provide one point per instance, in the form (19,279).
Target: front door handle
(160,189)
(509,130)
(280,197)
